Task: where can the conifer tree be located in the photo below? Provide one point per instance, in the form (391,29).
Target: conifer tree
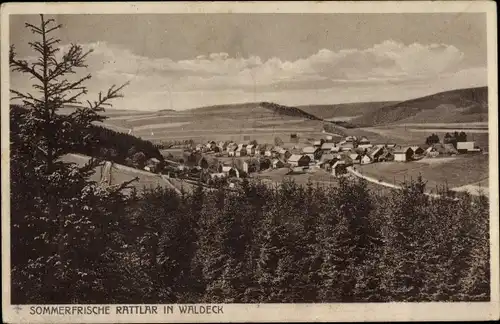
(63,223)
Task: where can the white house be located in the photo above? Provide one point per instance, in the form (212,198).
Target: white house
(464,147)
(366,159)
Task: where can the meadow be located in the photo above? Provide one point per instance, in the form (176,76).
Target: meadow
(455,172)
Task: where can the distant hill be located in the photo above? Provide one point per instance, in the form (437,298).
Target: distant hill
(256,109)
(456,106)
(344,110)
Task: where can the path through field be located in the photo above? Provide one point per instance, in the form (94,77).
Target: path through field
(471,188)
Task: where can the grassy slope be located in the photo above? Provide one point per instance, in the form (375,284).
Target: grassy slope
(455,172)
(462,105)
(261,121)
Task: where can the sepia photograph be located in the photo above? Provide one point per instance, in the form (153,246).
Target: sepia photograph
(179,162)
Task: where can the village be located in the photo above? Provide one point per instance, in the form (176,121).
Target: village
(229,161)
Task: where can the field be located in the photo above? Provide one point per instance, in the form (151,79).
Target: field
(119,173)
(220,123)
(455,172)
(415,134)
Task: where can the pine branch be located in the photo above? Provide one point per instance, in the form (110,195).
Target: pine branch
(64,86)
(23,66)
(53,28)
(24,96)
(112,93)
(33,28)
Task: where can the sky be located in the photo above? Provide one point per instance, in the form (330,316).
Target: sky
(183,61)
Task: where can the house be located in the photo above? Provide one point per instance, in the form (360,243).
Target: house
(351,139)
(365,146)
(245,166)
(329,138)
(346,146)
(277,163)
(386,156)
(311,151)
(219,175)
(250,150)
(257,149)
(335,149)
(317,144)
(284,154)
(376,152)
(327,160)
(417,150)
(366,159)
(241,150)
(465,147)
(327,147)
(230,171)
(299,160)
(211,145)
(364,140)
(153,165)
(339,168)
(231,150)
(390,145)
(403,154)
(355,157)
(199,147)
(222,146)
(276,149)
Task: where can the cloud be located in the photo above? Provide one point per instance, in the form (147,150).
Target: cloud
(154,81)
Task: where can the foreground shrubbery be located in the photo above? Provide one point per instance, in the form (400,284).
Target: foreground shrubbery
(258,244)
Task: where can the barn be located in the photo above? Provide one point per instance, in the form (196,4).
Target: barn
(299,160)
(403,154)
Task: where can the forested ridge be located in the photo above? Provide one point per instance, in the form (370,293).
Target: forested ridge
(106,143)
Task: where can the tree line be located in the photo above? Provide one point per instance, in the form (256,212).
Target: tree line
(290,243)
